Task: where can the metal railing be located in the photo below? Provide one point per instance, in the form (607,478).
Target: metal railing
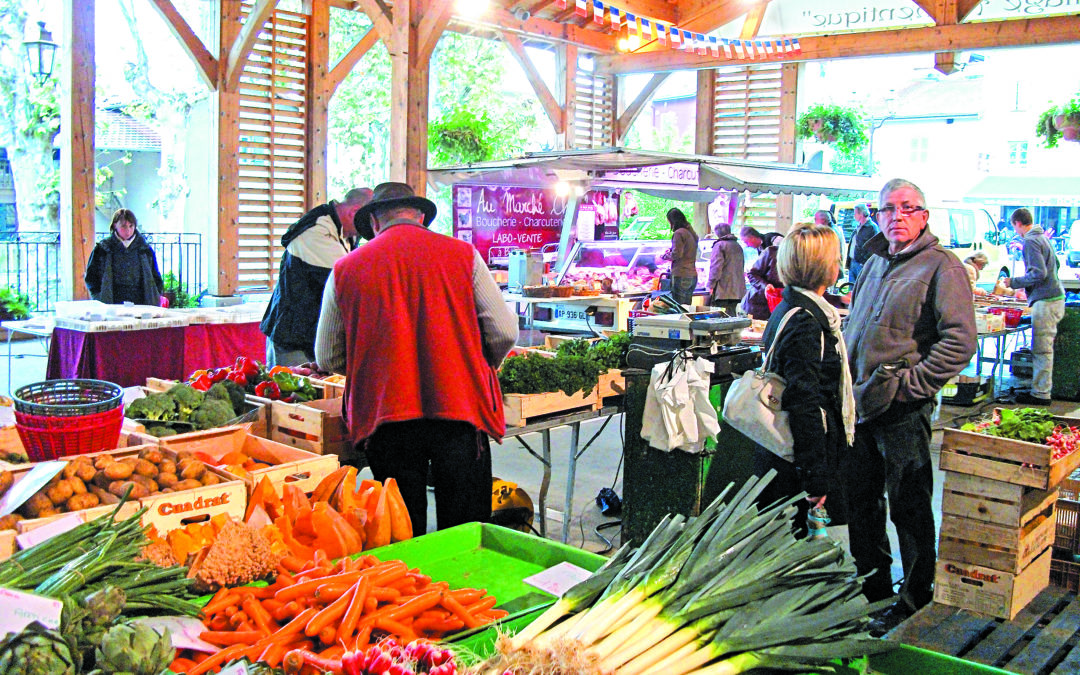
(30,263)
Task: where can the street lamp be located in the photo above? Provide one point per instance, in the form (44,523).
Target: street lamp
(41,54)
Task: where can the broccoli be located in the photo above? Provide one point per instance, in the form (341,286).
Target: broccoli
(156,406)
(237,396)
(212,413)
(187,399)
(161,432)
(219,391)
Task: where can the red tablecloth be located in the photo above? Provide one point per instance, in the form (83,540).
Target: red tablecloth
(129,357)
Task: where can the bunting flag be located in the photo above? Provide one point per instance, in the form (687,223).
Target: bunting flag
(751,50)
(613,13)
(714,46)
(598,12)
(727,48)
(582,8)
(737,45)
(646,29)
(687,39)
(760,49)
(675,41)
(661,33)
(632,25)
(702,44)
(787,48)
(796,49)
(769,50)
(560,4)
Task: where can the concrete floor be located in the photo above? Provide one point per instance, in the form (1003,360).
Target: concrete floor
(597,468)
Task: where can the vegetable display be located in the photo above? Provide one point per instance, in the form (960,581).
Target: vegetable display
(252,377)
(536,374)
(186,408)
(608,353)
(1032,425)
(727,592)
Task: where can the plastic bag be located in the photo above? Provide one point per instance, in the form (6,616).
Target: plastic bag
(678,413)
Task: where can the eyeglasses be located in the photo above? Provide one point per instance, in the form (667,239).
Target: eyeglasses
(904,211)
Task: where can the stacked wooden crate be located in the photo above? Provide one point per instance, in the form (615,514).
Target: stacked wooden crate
(1065,567)
(998,521)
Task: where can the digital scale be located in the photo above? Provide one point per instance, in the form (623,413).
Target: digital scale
(692,328)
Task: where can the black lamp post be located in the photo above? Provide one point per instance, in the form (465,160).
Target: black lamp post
(41,54)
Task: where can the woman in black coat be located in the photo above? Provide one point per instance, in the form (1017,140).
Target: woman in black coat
(810,355)
(122,267)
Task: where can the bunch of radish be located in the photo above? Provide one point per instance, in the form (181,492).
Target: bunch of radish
(387,657)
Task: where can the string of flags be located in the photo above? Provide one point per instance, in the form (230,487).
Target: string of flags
(677,38)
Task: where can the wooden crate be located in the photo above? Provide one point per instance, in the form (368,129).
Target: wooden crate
(331,389)
(993,501)
(7,544)
(255,408)
(1006,460)
(315,426)
(523,408)
(552,342)
(612,383)
(990,591)
(999,547)
(290,465)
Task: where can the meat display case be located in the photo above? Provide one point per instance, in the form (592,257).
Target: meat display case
(632,266)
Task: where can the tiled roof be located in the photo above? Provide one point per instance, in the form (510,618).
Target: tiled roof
(117,131)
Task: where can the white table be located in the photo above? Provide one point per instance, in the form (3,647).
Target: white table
(39,328)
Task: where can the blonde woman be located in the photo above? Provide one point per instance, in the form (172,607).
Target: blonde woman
(811,357)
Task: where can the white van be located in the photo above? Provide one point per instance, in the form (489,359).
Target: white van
(966,228)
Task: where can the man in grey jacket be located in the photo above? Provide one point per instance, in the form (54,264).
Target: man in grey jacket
(1046,296)
(727,271)
(911,329)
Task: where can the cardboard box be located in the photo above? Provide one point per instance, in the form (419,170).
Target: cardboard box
(999,547)
(316,426)
(989,591)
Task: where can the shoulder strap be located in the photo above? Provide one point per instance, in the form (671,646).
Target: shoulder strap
(776,338)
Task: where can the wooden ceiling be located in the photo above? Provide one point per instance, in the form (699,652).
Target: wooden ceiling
(541,23)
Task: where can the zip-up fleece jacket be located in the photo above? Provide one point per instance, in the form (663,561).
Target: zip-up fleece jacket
(1040,268)
(912,324)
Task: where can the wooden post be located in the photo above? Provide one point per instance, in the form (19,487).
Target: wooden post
(225,266)
(704,135)
(789,85)
(318,114)
(77,184)
(409,89)
(566,63)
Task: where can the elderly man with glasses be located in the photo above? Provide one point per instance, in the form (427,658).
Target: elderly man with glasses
(911,329)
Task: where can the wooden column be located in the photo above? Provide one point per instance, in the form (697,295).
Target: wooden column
(318,100)
(409,88)
(704,135)
(225,266)
(789,85)
(566,63)
(77,185)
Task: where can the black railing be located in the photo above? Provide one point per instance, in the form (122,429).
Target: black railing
(30,263)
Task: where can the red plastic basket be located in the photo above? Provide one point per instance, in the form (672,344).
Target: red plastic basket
(1012,316)
(47,437)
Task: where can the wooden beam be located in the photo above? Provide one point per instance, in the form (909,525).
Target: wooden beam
(77,183)
(409,96)
(542,29)
(633,111)
(437,15)
(705,16)
(789,86)
(752,22)
(554,111)
(966,7)
(245,40)
(945,62)
(664,10)
(943,12)
(567,64)
(318,103)
(959,37)
(704,135)
(380,17)
(225,266)
(345,65)
(205,63)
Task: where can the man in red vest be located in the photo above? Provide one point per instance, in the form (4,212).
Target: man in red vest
(418,326)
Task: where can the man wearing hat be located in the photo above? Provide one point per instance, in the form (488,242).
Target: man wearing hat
(312,245)
(418,326)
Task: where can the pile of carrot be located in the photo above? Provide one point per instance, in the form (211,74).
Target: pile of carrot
(331,608)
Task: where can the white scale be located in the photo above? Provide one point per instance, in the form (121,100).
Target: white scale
(694,328)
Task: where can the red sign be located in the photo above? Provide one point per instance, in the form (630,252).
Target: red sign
(498,219)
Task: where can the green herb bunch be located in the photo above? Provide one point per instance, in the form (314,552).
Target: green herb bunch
(537,374)
(1033,425)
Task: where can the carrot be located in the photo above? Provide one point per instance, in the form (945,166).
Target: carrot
(356,607)
(217,604)
(294,627)
(332,613)
(386,594)
(273,654)
(459,611)
(483,605)
(496,614)
(396,628)
(218,596)
(327,634)
(225,638)
(271,605)
(308,587)
(219,622)
(363,638)
(222,657)
(287,611)
(331,592)
(296,659)
(437,625)
(370,604)
(180,665)
(259,616)
(238,618)
(333,652)
(468,596)
(232,609)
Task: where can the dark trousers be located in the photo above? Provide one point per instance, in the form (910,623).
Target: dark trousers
(892,455)
(460,458)
(783,487)
(729,306)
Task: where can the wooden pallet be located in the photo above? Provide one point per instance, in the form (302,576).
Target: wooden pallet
(1043,639)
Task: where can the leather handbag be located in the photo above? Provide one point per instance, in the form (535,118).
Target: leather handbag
(752,404)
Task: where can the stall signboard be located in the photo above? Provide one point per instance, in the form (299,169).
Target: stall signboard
(497,219)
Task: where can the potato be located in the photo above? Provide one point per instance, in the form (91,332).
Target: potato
(166,466)
(70,469)
(60,493)
(117,487)
(210,478)
(166,491)
(6,479)
(87,500)
(8,522)
(55,480)
(192,469)
(49,511)
(119,470)
(149,483)
(101,480)
(167,480)
(37,503)
(103,461)
(187,484)
(184,454)
(145,467)
(86,471)
(77,486)
(152,455)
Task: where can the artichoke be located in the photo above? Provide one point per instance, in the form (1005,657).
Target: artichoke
(39,651)
(134,649)
(104,605)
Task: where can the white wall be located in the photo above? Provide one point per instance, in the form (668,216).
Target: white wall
(140,180)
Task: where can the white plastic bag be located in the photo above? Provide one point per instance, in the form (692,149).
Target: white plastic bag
(678,413)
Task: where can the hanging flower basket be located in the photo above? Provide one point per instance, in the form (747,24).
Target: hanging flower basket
(833,125)
(1059,123)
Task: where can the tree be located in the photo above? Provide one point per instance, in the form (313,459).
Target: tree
(29,123)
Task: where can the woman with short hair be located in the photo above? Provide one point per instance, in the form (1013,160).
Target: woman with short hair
(809,353)
(122,267)
(974,264)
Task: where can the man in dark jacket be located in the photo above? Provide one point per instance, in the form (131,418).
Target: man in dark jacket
(911,329)
(1046,296)
(857,253)
(727,283)
(312,245)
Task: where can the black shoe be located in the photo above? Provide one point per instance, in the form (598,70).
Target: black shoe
(1030,399)
(886,620)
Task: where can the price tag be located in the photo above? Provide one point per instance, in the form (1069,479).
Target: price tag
(22,609)
(184,631)
(50,530)
(558,579)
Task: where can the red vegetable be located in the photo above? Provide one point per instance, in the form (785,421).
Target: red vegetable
(238,377)
(268,389)
(202,383)
(218,374)
(246,366)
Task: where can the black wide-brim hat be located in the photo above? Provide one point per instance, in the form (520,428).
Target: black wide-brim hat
(388,196)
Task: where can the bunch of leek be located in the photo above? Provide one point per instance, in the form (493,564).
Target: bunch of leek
(723,593)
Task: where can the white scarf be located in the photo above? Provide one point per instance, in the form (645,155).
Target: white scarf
(847,397)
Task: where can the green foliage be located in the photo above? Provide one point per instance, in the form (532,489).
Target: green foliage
(14,304)
(179,292)
(838,124)
(536,374)
(1046,128)
(1033,425)
(607,352)
(852,162)
(462,136)
(43,110)
(656,208)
